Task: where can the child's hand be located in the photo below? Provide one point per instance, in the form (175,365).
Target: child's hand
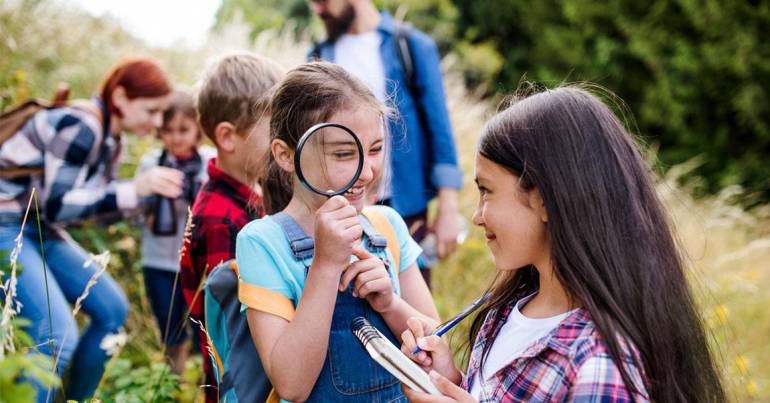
(450,392)
(370,280)
(337,227)
(159,180)
(435,354)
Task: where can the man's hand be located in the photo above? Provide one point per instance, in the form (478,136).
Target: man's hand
(445,226)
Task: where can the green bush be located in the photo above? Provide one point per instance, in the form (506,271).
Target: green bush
(126,383)
(694,73)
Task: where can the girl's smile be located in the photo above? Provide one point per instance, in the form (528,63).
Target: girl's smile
(355,193)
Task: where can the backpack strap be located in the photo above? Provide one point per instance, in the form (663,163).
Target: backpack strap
(381,223)
(404,52)
(216,360)
(315,53)
(234,267)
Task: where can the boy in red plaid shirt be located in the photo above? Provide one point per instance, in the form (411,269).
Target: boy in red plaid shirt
(233,104)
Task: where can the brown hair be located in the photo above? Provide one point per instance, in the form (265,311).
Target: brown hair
(140,77)
(236,88)
(180,102)
(311,93)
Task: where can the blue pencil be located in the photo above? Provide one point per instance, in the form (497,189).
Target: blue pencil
(452,323)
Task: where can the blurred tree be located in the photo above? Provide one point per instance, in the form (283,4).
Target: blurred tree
(266,14)
(35,57)
(694,73)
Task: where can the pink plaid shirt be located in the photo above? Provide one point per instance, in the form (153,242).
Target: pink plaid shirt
(571,363)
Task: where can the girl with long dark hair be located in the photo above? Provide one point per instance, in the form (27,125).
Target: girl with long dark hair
(591,301)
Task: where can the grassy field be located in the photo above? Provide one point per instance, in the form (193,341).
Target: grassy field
(728,248)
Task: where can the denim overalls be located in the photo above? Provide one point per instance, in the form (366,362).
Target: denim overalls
(348,373)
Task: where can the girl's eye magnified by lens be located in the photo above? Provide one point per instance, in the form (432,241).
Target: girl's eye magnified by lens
(329,158)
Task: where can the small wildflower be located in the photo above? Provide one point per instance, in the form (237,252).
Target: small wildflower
(9,289)
(112,343)
(187,233)
(102,260)
(742,364)
(751,388)
(721,313)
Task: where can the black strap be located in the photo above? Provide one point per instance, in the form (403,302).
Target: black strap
(315,54)
(404,52)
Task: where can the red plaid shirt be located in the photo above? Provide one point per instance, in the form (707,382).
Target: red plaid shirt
(220,210)
(571,363)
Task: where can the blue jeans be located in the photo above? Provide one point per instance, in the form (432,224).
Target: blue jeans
(170,315)
(68,269)
(349,374)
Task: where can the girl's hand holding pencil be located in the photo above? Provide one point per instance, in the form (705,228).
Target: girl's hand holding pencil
(435,353)
(436,358)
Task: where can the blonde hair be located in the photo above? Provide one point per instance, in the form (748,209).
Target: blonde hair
(236,88)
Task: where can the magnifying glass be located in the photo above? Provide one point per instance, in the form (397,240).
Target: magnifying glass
(329,159)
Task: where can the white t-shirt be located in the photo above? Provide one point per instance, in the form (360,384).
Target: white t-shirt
(517,333)
(360,55)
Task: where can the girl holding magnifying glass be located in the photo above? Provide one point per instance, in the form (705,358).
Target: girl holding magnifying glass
(301,291)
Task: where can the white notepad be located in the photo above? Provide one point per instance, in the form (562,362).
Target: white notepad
(391,358)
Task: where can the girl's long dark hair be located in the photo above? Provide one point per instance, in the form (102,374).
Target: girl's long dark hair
(613,247)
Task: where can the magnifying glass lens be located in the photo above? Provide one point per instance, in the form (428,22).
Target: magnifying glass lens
(330,160)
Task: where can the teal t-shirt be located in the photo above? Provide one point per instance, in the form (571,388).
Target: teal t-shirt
(271,274)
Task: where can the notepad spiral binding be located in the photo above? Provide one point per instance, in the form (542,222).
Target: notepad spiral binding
(363,330)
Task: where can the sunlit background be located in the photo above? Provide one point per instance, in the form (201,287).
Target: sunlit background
(694,77)
(158,22)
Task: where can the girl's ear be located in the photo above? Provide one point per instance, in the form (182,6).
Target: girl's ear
(537,204)
(283,154)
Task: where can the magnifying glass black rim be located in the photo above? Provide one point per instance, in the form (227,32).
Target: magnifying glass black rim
(301,144)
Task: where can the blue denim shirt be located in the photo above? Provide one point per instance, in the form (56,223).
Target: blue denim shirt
(423,158)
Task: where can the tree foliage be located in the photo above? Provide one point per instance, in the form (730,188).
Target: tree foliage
(694,73)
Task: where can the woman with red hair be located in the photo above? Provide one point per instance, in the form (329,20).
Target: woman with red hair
(72,153)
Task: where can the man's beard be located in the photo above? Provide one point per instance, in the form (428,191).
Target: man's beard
(336,26)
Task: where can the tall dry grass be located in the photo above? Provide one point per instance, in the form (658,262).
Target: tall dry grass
(728,247)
